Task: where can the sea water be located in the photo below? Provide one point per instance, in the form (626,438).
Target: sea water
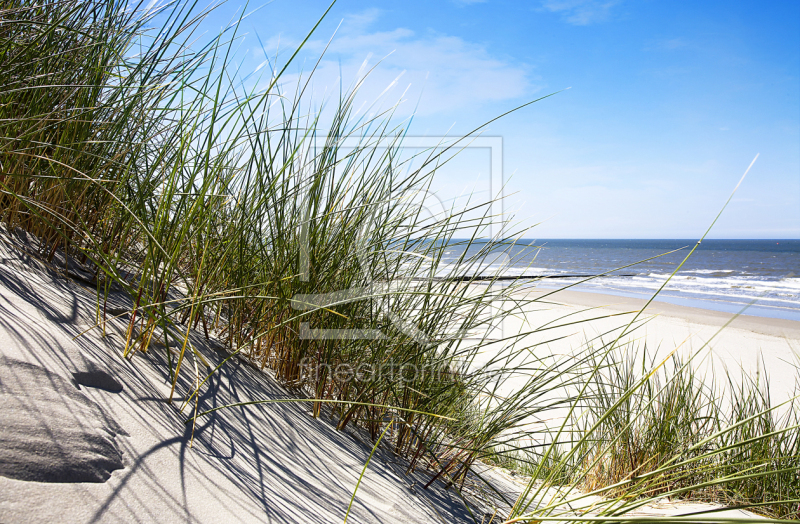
(754,277)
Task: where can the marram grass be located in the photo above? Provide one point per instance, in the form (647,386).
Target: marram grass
(676,434)
(238,212)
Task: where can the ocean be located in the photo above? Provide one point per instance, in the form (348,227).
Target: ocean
(722,275)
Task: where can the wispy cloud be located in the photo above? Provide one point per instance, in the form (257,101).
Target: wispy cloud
(582,12)
(445,73)
(359,22)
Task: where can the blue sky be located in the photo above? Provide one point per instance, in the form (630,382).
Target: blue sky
(669,101)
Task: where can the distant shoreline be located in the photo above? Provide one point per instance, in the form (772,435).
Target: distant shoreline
(770,326)
(757,276)
(718,307)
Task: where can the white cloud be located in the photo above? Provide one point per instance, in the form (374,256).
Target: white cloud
(445,73)
(581,12)
(356,22)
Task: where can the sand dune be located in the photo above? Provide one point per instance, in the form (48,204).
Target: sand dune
(88,437)
(83,453)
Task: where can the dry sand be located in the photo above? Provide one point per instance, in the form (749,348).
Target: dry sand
(81,453)
(88,437)
(717,341)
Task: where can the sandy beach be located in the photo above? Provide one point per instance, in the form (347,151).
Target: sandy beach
(309,274)
(88,437)
(568,320)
